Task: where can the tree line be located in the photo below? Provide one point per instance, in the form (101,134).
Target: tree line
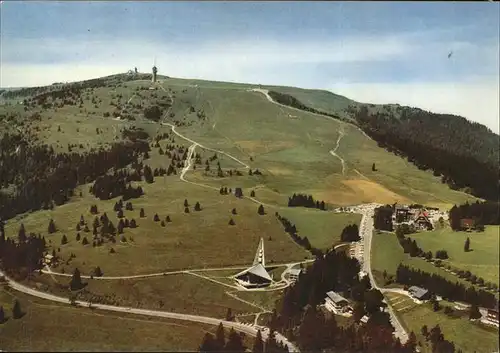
(441,286)
(291,101)
(234,343)
(442,143)
(301,200)
(292,231)
(23,256)
(482,213)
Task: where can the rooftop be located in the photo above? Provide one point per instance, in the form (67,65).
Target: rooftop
(335,297)
(257,270)
(417,292)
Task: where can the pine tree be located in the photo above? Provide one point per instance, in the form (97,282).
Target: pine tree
(467,245)
(141,213)
(229,315)
(373,168)
(208,344)
(186,210)
(252,193)
(231,222)
(197,206)
(168,219)
(64,239)
(119,227)
(119,214)
(76,280)
(132,223)
(162,223)
(21,234)
(77,236)
(16,310)
(238,192)
(258,345)
(2,315)
(474,312)
(52,227)
(234,342)
(156,218)
(98,272)
(261,210)
(186,203)
(233,211)
(425,331)
(220,339)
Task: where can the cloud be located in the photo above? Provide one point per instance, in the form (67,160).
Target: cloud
(475,100)
(409,68)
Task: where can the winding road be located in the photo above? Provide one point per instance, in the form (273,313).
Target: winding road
(366,230)
(245,328)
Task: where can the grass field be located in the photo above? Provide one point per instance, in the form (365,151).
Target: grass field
(323,229)
(194,240)
(182,293)
(53,327)
(466,335)
(387,254)
(481,261)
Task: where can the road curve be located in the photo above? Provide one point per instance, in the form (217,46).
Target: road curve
(269,98)
(204,147)
(248,329)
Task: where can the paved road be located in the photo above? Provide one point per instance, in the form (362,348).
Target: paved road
(248,329)
(366,232)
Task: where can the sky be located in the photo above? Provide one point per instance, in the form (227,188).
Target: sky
(373,52)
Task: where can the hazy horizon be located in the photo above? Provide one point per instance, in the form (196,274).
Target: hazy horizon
(370,52)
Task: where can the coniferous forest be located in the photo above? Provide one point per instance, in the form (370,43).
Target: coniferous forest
(43,178)
(464,154)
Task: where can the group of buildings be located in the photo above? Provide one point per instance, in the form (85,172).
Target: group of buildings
(421,219)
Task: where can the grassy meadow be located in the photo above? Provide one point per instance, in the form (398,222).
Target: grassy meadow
(47,326)
(466,335)
(387,254)
(192,240)
(482,260)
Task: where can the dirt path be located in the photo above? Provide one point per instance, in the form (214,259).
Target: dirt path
(270,99)
(334,152)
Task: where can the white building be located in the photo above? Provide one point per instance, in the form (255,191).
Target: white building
(48,259)
(336,303)
(294,273)
(255,276)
